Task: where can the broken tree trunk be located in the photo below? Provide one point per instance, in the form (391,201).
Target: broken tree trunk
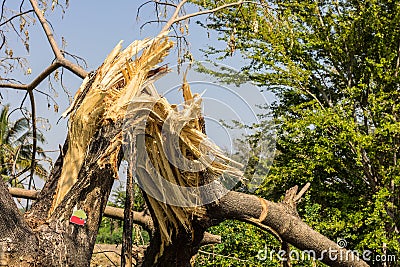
(87,167)
(178,169)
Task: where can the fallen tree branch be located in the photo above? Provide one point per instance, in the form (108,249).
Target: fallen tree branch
(140,218)
(290,228)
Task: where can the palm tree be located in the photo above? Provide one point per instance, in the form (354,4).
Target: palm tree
(16,148)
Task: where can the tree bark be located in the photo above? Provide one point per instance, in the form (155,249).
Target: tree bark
(286,224)
(18,244)
(45,239)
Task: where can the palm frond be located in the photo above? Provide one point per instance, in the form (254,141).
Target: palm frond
(17,128)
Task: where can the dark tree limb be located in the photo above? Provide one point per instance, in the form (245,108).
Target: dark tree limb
(126,253)
(34,141)
(43,75)
(16,16)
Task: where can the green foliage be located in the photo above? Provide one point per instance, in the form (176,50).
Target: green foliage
(334,66)
(240,246)
(111,230)
(16,148)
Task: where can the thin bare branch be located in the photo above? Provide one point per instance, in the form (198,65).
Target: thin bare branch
(2,9)
(16,16)
(16,32)
(21,5)
(164,3)
(47,30)
(176,18)
(48,97)
(151,21)
(141,6)
(76,58)
(74,68)
(55,65)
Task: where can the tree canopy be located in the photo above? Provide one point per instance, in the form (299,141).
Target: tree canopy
(334,66)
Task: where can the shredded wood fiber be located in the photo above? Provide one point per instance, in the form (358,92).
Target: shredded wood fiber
(122,89)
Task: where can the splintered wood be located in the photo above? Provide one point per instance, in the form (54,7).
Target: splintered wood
(122,90)
(105,96)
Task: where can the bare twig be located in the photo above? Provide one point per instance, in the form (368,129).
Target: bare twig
(151,21)
(76,69)
(55,65)
(76,58)
(141,6)
(176,18)
(15,16)
(2,9)
(48,96)
(21,5)
(157,2)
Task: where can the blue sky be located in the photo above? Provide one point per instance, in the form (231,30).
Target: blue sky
(91,29)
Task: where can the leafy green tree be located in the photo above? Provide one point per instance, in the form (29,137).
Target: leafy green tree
(334,67)
(16,148)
